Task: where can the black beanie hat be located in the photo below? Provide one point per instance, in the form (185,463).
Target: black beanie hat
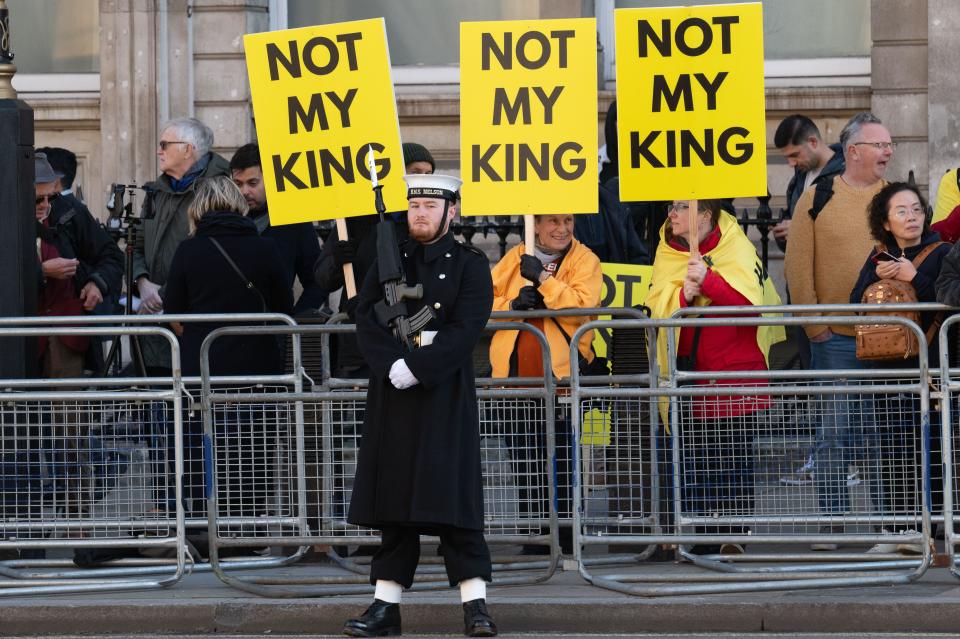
(413,152)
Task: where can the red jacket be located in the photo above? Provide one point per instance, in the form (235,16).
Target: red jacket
(949,227)
(723,348)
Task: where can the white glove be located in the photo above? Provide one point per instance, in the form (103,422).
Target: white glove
(401,377)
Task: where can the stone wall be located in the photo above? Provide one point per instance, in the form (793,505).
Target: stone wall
(188,60)
(899,83)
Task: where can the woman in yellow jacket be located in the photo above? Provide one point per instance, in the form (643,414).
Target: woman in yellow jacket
(568,275)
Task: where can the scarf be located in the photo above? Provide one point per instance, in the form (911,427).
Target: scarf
(191,175)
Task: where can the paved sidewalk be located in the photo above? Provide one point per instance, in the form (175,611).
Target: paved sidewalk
(566,604)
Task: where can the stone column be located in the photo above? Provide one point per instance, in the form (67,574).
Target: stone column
(163,59)
(899,82)
(128,89)
(943,119)
(221,89)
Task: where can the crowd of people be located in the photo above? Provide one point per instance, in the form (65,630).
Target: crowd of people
(207,246)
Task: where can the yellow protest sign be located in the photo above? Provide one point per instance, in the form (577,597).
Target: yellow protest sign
(528,116)
(624,285)
(690,102)
(321,96)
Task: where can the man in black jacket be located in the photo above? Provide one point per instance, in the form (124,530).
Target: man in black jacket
(798,140)
(418,471)
(79,265)
(610,232)
(298,243)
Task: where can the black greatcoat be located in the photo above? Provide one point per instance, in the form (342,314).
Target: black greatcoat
(419,461)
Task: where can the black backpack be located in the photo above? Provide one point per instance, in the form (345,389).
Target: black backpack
(822,195)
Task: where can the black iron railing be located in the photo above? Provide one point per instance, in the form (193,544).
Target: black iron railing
(647,220)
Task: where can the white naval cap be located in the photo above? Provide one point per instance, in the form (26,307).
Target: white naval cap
(432,185)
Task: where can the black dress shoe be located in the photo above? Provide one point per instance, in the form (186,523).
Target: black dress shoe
(381,619)
(477,622)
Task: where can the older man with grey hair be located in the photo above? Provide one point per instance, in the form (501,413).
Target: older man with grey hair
(829,240)
(184,157)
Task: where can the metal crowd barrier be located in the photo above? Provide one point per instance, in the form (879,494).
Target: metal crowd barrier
(935,462)
(126,443)
(562,405)
(949,387)
(279,461)
(718,488)
(318,468)
(81,463)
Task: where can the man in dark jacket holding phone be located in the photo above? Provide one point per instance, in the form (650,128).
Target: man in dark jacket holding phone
(78,265)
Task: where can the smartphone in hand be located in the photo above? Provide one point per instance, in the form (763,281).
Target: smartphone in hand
(883,256)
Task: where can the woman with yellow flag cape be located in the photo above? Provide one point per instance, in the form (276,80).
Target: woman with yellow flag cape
(716,433)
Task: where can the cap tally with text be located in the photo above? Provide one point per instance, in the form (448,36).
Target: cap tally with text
(432,185)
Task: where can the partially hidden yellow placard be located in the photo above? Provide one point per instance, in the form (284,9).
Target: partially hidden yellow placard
(690,102)
(528,117)
(624,285)
(321,96)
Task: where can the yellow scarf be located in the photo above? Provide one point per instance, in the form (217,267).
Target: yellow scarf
(735,260)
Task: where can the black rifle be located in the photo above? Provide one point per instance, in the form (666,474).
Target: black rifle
(392,311)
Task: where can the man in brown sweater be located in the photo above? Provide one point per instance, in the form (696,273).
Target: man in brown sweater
(823,261)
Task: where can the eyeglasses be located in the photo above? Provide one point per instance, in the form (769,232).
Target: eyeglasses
(683,207)
(880,146)
(163,144)
(902,214)
(49,198)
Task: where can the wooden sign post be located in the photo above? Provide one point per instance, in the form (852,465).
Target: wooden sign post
(694,228)
(323,98)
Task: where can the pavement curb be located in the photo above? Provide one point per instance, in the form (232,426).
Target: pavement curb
(304,616)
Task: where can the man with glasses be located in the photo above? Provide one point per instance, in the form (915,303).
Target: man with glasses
(184,156)
(822,265)
(79,265)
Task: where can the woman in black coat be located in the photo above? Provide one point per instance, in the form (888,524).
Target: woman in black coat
(203,280)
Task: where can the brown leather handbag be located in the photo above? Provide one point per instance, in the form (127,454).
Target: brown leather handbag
(879,342)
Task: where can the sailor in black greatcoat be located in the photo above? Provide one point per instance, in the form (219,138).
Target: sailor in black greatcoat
(418,470)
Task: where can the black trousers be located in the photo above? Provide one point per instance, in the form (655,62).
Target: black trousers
(465,554)
(902,460)
(717,467)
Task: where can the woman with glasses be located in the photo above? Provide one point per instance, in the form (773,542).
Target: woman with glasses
(716,432)
(906,251)
(897,216)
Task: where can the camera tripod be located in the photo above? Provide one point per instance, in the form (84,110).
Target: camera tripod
(122,223)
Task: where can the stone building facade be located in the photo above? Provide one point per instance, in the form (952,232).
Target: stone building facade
(158,59)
